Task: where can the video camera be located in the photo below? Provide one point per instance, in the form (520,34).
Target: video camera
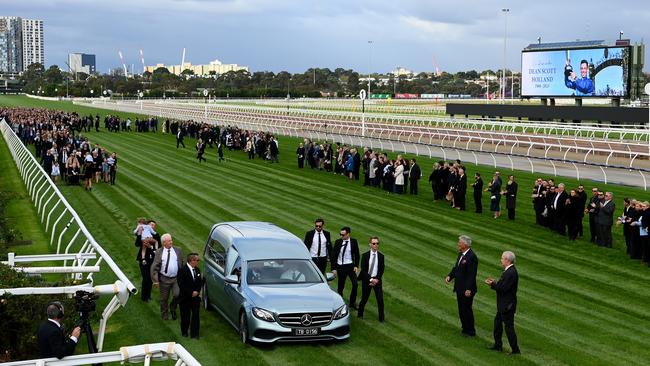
(85,302)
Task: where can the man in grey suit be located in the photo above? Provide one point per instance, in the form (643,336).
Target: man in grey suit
(605,219)
(168,261)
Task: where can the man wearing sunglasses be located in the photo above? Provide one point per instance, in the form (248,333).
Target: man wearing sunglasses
(372,270)
(345,263)
(319,243)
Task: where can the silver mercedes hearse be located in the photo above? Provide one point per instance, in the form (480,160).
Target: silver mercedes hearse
(261,279)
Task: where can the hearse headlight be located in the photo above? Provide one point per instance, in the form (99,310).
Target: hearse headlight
(262,314)
(341,312)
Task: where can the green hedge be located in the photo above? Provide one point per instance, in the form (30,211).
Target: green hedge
(22,314)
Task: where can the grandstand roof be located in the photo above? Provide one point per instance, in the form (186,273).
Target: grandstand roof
(574,44)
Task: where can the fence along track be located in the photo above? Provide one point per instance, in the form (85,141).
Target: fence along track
(395,139)
(75,245)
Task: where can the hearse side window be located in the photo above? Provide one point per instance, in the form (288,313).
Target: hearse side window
(217,253)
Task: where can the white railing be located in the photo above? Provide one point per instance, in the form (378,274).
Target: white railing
(496,137)
(75,246)
(394,138)
(144,353)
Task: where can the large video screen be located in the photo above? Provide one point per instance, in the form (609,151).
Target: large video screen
(594,72)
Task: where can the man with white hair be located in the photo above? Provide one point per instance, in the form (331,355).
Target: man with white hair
(464,275)
(559,209)
(164,271)
(506,289)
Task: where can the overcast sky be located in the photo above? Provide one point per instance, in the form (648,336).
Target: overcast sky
(295,35)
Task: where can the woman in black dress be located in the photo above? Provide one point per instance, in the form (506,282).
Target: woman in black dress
(89,171)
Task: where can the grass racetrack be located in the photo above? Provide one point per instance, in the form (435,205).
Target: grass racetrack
(578,304)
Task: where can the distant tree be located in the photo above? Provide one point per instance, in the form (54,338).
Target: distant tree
(53,75)
(352,85)
(33,73)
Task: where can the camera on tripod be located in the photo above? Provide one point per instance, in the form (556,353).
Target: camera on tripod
(84,304)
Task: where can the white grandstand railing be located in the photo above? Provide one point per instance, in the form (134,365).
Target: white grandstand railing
(144,353)
(589,150)
(381,139)
(535,127)
(61,221)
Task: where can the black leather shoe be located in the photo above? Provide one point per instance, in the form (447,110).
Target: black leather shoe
(495,348)
(184,335)
(173,315)
(514,352)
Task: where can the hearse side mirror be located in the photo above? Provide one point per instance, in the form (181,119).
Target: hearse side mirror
(233,279)
(329,276)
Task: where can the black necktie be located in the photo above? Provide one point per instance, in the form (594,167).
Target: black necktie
(168,258)
(345,246)
(319,244)
(194,273)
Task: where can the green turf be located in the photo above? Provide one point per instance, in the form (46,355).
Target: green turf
(578,304)
(20,211)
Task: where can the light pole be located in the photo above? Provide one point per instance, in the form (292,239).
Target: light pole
(505,11)
(647,91)
(620,35)
(395,79)
(369,64)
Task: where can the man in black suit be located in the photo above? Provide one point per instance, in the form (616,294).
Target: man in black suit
(511,196)
(50,337)
(539,201)
(189,299)
(180,135)
(319,244)
(559,209)
(461,189)
(372,270)
(478,191)
(356,167)
(592,210)
(345,263)
(414,176)
(605,219)
(464,276)
(506,289)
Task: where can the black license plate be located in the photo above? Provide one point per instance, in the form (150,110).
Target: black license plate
(306,331)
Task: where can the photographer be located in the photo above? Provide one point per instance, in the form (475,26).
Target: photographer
(52,341)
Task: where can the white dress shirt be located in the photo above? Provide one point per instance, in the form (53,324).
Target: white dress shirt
(172,271)
(191,270)
(557,197)
(462,256)
(345,257)
(314,244)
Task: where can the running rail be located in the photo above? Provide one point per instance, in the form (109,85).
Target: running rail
(143,353)
(48,200)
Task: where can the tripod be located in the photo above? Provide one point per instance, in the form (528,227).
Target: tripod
(84,324)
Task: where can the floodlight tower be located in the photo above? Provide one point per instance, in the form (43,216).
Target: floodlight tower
(505,11)
(142,60)
(126,73)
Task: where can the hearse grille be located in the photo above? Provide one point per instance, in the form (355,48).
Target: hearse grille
(305,320)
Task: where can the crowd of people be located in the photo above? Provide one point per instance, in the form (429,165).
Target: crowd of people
(255,143)
(560,209)
(60,148)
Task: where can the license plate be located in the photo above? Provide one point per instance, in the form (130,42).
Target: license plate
(306,331)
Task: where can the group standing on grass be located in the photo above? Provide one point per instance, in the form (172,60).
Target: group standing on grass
(64,154)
